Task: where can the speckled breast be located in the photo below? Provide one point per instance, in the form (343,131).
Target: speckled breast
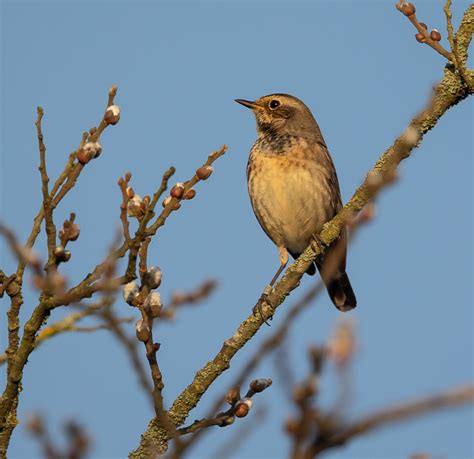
(292,192)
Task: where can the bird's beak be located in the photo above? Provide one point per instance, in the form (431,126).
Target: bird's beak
(248,103)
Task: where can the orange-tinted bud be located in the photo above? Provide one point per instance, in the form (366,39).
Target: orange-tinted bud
(407,8)
(233,396)
(242,407)
(204,172)
(259,385)
(190,194)
(177,191)
(420,38)
(435,35)
(83,156)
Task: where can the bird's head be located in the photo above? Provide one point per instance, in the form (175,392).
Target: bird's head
(282,114)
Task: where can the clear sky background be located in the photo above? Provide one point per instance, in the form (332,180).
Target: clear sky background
(178,66)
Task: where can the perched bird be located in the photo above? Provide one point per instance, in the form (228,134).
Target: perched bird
(294,190)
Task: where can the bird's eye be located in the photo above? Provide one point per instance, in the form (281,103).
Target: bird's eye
(274,104)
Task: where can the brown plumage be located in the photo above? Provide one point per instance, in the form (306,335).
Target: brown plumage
(293,188)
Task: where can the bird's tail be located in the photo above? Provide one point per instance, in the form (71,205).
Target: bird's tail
(338,285)
(311,270)
(340,291)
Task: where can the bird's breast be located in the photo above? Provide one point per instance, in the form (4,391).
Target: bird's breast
(291,196)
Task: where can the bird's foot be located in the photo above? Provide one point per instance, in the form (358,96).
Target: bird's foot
(316,243)
(257,309)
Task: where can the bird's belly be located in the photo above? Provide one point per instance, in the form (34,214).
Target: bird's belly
(289,200)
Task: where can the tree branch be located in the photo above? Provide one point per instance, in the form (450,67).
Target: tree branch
(47,208)
(392,414)
(459,62)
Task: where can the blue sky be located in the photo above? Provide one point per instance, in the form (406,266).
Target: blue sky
(179,65)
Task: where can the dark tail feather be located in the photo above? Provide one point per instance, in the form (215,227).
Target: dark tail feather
(339,288)
(340,291)
(311,270)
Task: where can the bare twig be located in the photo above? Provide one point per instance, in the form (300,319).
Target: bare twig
(77,440)
(5,280)
(143,265)
(94,328)
(179,299)
(239,407)
(157,195)
(396,413)
(47,207)
(408,9)
(458,62)
(123,184)
(130,345)
(241,434)
(24,254)
(160,220)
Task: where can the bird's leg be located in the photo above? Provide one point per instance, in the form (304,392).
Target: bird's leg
(283,262)
(268,289)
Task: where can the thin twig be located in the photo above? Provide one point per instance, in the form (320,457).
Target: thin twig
(240,407)
(241,435)
(160,220)
(423,31)
(130,345)
(460,66)
(123,184)
(47,207)
(179,299)
(143,264)
(396,413)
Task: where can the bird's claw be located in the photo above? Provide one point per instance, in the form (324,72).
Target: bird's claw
(263,299)
(316,243)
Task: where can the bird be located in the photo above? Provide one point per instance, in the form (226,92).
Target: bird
(294,189)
